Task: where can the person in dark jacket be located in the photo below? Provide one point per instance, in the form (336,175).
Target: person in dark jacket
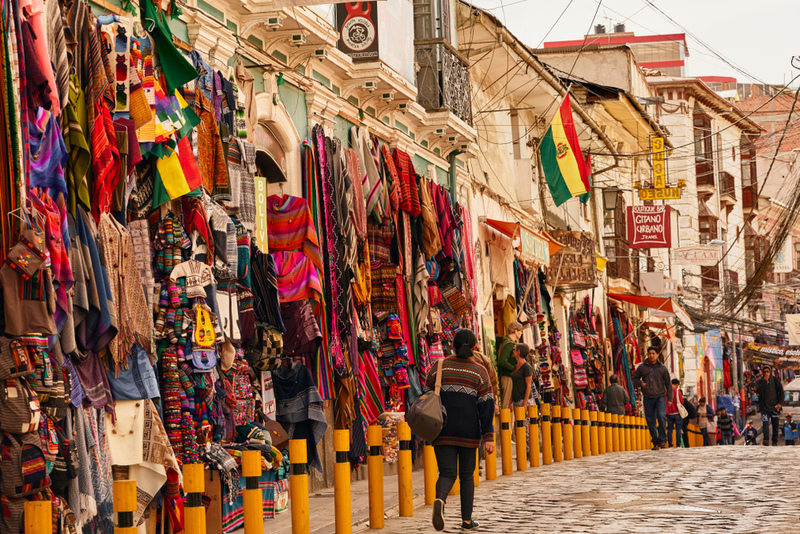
(656,386)
(770,396)
(467,395)
(691,413)
(725,425)
(506,363)
(614,397)
(750,434)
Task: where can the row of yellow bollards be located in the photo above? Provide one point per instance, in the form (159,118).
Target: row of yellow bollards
(565,434)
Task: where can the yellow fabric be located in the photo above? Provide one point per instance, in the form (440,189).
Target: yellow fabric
(567,159)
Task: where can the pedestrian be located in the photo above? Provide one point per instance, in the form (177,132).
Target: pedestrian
(614,397)
(522,379)
(506,362)
(704,416)
(770,395)
(654,380)
(790,430)
(725,426)
(466,394)
(691,413)
(750,434)
(674,419)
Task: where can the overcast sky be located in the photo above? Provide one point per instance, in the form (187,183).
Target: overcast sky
(759,37)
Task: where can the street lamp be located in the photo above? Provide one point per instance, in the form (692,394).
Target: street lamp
(610,195)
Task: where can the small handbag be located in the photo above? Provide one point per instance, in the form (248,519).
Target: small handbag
(427,416)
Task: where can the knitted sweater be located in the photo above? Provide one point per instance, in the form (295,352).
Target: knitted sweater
(467,396)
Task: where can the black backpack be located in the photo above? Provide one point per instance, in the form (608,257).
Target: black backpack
(690,409)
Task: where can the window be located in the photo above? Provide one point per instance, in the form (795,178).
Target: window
(703,150)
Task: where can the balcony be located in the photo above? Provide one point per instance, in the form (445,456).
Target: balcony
(750,198)
(443,78)
(727,189)
(619,261)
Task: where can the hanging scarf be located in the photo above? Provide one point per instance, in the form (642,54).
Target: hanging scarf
(223,462)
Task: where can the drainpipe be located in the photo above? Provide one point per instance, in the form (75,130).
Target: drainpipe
(451,158)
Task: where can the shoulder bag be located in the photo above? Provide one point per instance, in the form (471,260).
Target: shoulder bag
(427,416)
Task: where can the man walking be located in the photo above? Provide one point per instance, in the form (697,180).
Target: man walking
(614,397)
(770,396)
(725,425)
(654,380)
(506,362)
(674,419)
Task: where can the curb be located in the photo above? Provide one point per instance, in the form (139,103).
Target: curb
(392,511)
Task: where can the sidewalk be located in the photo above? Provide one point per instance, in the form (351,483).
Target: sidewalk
(322,512)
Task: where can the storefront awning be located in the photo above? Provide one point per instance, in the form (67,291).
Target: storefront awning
(509,229)
(662,304)
(537,246)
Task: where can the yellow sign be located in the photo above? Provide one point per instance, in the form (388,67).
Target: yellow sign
(665,193)
(261,214)
(659,171)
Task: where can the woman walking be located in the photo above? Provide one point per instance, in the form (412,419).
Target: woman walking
(522,380)
(467,396)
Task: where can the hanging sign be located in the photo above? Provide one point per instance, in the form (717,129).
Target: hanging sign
(659,172)
(648,227)
(783,259)
(261,213)
(666,193)
(701,256)
(358,30)
(574,266)
(534,246)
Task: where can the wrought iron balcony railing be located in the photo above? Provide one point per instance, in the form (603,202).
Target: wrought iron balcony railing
(443,78)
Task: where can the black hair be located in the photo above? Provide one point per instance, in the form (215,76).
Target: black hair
(463,342)
(654,349)
(675,381)
(523,349)
(702,400)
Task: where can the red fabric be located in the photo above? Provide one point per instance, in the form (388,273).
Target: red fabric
(105,160)
(676,398)
(394,183)
(409,194)
(726,374)
(189,164)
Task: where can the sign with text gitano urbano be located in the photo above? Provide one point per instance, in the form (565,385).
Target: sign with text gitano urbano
(649,227)
(702,256)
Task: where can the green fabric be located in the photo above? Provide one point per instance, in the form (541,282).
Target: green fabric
(555,181)
(518,381)
(177,69)
(80,157)
(505,360)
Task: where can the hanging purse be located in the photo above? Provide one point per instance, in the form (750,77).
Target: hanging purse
(427,416)
(204,335)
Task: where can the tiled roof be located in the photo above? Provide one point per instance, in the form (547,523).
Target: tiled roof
(781,104)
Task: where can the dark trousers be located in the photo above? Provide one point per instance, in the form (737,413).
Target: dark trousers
(685,432)
(704,432)
(766,419)
(452,462)
(655,412)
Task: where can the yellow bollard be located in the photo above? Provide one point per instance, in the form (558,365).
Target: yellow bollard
(558,452)
(601,432)
(298,489)
(615,432)
(491,459)
(341,482)
(577,437)
(477,473)
(585,434)
(404,468)
(533,434)
(39,518)
(124,506)
(431,473)
(626,432)
(254,497)
(375,474)
(505,441)
(594,434)
(522,442)
(547,439)
(630,432)
(566,432)
(644,433)
(194,485)
(637,430)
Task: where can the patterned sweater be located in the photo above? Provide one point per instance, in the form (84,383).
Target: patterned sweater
(467,396)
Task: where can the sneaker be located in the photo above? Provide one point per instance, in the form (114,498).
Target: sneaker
(655,447)
(438,514)
(766,443)
(471,525)
(774,443)
(663,444)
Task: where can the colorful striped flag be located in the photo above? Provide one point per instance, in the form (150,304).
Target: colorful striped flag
(562,160)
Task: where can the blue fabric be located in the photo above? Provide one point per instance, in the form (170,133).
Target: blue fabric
(727,438)
(138,381)
(674,422)
(655,411)
(766,419)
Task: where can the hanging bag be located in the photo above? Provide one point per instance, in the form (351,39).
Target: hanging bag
(19,406)
(427,416)
(23,469)
(684,413)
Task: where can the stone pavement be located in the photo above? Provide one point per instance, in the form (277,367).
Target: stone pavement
(731,490)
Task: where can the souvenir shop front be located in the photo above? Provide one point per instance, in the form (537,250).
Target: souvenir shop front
(160,308)
(785,364)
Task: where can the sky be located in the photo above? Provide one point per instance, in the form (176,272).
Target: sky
(757,37)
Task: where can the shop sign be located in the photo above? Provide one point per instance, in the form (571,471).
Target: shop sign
(358,30)
(659,174)
(701,256)
(574,266)
(781,357)
(261,214)
(534,246)
(665,193)
(783,259)
(648,227)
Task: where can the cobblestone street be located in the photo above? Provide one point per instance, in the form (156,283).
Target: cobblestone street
(733,489)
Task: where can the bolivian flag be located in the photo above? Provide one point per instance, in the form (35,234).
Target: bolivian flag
(562,160)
